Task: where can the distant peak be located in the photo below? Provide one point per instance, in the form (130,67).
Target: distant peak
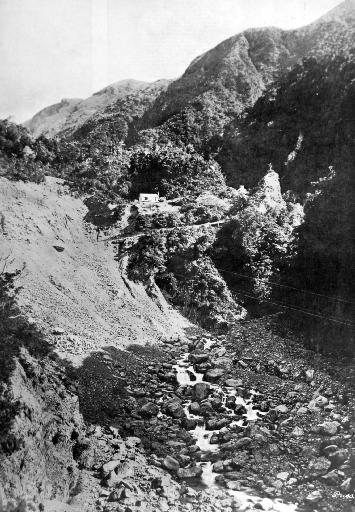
(340,11)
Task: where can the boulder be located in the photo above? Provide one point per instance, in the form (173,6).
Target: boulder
(282,409)
(233,383)
(309,375)
(240,409)
(206,409)
(233,485)
(314,497)
(132,441)
(109,466)
(328,428)
(190,472)
(58,248)
(240,460)
(338,458)
(230,402)
(112,479)
(175,409)
(216,403)
(198,358)
(200,391)
(321,401)
(214,374)
(194,408)
(283,476)
(331,478)
(218,467)
(346,486)
(319,466)
(329,449)
(58,331)
(297,432)
(216,423)
(243,442)
(190,424)
(149,410)
(171,464)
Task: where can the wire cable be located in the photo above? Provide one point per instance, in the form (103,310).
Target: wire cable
(285,286)
(287,306)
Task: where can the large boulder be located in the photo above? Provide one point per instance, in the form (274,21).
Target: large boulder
(233,383)
(217,423)
(175,409)
(328,428)
(109,466)
(194,408)
(198,358)
(190,472)
(200,391)
(149,410)
(319,466)
(338,458)
(171,464)
(214,374)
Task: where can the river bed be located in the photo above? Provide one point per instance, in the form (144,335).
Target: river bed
(187,376)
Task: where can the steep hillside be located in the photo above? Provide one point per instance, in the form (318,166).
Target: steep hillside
(69,115)
(231,76)
(71,284)
(215,87)
(117,120)
(51,119)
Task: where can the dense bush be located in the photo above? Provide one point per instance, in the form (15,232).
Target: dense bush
(321,273)
(180,265)
(14,139)
(172,171)
(297,124)
(255,245)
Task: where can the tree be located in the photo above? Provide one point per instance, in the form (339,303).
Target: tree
(173,171)
(256,243)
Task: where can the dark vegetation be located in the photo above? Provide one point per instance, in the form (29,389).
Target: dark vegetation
(311,105)
(16,336)
(180,264)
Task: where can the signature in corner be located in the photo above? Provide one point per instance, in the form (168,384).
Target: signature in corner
(338,494)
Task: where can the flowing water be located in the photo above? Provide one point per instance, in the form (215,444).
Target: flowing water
(186,376)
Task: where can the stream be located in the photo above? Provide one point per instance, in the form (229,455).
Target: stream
(187,376)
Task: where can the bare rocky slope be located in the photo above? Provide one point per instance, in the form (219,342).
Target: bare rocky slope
(64,264)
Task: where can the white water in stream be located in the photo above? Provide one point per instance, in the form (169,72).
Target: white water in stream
(186,376)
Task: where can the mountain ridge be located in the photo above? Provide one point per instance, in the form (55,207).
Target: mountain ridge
(70,113)
(226,79)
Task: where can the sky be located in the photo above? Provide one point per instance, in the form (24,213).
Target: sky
(54,49)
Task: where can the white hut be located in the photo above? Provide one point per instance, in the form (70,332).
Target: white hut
(148,198)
